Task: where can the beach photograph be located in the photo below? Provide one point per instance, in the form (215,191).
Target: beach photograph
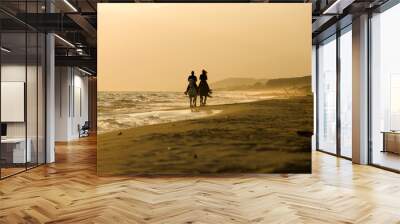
(185,98)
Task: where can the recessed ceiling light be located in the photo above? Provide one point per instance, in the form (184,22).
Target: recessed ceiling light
(64,40)
(70,5)
(338,6)
(84,71)
(5,50)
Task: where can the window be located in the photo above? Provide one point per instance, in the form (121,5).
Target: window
(346,92)
(327,95)
(385,89)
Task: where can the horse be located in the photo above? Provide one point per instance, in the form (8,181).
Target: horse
(204,92)
(192,93)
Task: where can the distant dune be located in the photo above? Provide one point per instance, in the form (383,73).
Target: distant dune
(237,83)
(289,82)
(298,84)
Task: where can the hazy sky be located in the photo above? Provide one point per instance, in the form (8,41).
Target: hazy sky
(153,47)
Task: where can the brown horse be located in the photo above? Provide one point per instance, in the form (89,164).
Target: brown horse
(204,89)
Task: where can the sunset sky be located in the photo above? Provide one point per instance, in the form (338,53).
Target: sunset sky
(153,47)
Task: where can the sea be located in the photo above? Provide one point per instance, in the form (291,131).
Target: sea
(122,110)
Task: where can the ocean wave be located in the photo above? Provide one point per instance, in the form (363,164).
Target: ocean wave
(120,110)
(123,121)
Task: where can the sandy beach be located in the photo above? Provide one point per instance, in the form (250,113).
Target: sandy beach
(269,136)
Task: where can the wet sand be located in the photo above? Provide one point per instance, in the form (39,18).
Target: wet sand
(270,136)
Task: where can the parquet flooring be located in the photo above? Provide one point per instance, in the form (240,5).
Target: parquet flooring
(69,191)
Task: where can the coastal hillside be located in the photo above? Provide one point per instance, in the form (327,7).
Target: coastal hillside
(302,84)
(288,82)
(237,83)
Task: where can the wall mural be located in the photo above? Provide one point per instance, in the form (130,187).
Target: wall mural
(187,89)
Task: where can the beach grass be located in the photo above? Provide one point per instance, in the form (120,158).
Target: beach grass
(269,136)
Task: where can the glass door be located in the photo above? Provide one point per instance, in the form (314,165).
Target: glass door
(14,153)
(22,77)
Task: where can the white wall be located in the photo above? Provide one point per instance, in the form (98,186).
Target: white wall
(16,73)
(62,82)
(12,73)
(80,110)
(71,102)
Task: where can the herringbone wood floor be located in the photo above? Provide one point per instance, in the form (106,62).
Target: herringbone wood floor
(70,192)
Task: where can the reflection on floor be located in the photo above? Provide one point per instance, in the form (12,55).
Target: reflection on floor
(69,191)
(9,170)
(387,159)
